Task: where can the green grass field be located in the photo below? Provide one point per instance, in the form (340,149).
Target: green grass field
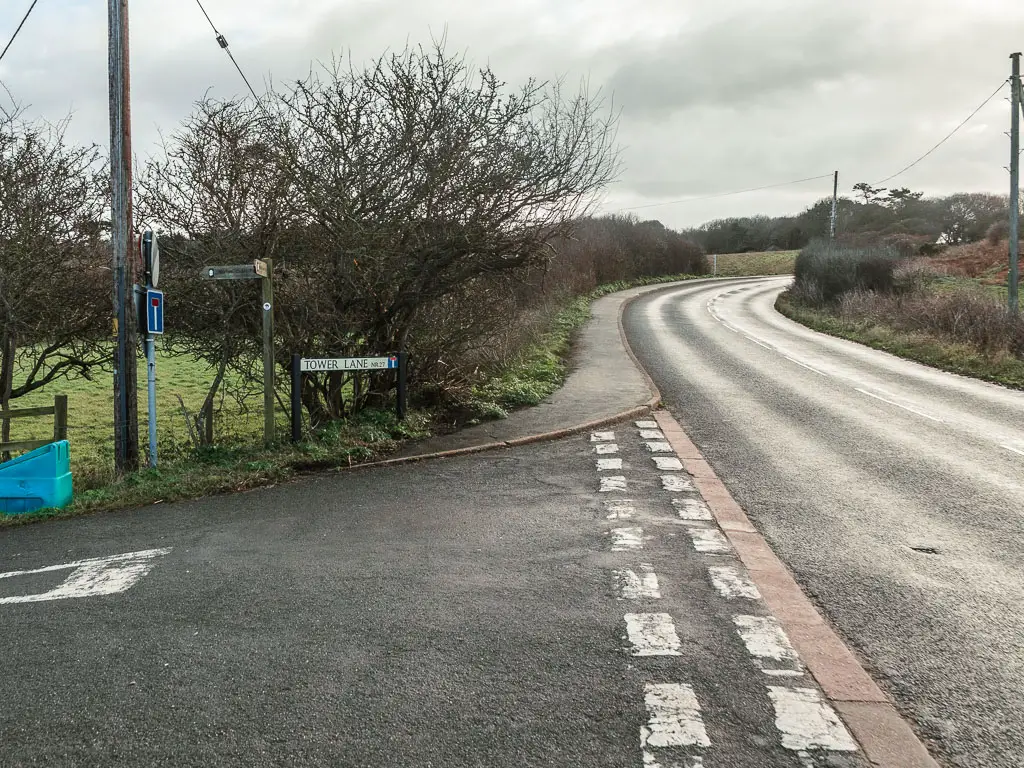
(764,263)
(91,418)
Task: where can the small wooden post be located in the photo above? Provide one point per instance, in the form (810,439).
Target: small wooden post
(60,417)
(267,284)
(208,422)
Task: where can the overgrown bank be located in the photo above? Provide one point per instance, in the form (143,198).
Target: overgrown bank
(915,307)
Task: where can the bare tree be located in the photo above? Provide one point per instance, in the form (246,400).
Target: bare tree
(221,194)
(54,302)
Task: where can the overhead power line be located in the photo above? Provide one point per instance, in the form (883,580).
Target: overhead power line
(727,194)
(223,43)
(22,24)
(947,137)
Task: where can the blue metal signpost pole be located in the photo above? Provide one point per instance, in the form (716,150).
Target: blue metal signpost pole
(151,381)
(152,318)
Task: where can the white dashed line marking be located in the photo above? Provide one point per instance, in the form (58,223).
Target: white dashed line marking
(650,761)
(627,539)
(732,584)
(652,634)
(619,510)
(767,643)
(804,365)
(602,437)
(602,449)
(898,405)
(604,465)
(690,509)
(676,483)
(667,463)
(652,434)
(709,541)
(806,722)
(673,718)
(646,424)
(1015,450)
(612,483)
(90,578)
(631,585)
(659,447)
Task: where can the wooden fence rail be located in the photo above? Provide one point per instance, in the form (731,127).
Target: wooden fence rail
(59,411)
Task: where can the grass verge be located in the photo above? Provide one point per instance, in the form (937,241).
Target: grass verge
(934,351)
(761,263)
(368,436)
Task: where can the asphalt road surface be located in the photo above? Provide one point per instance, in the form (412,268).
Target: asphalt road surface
(568,604)
(893,491)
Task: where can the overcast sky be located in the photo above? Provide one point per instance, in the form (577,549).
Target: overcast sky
(715,96)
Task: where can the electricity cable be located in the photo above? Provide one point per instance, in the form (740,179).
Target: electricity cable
(223,43)
(727,194)
(22,24)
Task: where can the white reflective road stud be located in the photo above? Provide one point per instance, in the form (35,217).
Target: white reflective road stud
(732,584)
(646,424)
(602,437)
(652,434)
(708,541)
(612,483)
(631,585)
(673,717)
(627,539)
(652,634)
(667,463)
(691,509)
(91,578)
(768,644)
(604,465)
(806,722)
(659,447)
(602,449)
(676,483)
(619,509)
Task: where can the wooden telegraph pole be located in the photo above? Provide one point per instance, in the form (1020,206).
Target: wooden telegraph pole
(126,417)
(1015,100)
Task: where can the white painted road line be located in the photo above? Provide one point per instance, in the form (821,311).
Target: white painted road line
(806,722)
(602,437)
(607,464)
(805,365)
(627,539)
(602,449)
(673,717)
(732,584)
(1015,450)
(708,541)
(652,634)
(650,761)
(652,434)
(646,424)
(899,405)
(631,585)
(659,447)
(612,483)
(676,483)
(90,578)
(690,509)
(619,509)
(767,643)
(667,463)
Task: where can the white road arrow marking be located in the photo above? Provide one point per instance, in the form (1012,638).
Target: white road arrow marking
(91,578)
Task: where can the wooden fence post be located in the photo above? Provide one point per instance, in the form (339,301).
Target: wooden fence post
(60,417)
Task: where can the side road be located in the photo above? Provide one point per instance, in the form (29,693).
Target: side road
(607,386)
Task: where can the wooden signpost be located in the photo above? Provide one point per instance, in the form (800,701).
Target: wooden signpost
(262,270)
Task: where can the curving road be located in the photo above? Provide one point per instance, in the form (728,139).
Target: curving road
(894,492)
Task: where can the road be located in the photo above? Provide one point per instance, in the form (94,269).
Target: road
(562,604)
(894,492)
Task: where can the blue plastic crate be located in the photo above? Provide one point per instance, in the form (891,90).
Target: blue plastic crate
(37,480)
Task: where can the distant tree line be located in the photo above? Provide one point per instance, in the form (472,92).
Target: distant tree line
(898,216)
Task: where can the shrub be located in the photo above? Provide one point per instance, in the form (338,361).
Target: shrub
(825,271)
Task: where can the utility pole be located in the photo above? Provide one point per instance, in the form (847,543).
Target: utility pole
(835,203)
(1015,99)
(126,420)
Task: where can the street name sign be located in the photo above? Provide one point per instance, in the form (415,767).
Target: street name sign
(349,364)
(252,271)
